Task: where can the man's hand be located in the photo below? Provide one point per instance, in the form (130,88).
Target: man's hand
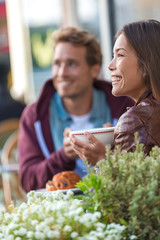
(70,153)
(108,124)
(92,151)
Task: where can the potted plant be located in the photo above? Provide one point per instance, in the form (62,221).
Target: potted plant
(125,188)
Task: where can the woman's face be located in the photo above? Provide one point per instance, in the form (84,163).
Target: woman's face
(127,79)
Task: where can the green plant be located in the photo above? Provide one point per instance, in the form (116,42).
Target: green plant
(126,189)
(96,199)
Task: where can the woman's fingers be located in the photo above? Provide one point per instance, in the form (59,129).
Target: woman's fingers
(91,138)
(93,151)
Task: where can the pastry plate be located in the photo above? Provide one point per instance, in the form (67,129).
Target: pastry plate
(74,190)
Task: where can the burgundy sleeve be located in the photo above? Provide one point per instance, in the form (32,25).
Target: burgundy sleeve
(35,169)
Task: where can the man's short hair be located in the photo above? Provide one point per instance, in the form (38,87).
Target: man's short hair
(80,37)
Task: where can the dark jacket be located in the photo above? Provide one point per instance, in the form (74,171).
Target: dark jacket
(38,161)
(143,118)
(9,107)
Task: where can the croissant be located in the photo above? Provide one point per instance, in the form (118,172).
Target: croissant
(63,180)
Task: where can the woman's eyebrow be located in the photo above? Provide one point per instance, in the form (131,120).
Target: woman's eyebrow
(118,49)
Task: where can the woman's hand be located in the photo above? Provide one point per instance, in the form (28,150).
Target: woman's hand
(92,151)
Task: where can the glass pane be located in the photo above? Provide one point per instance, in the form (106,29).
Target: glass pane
(88,16)
(134,10)
(43,17)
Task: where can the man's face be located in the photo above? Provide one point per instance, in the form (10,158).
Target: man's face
(72,76)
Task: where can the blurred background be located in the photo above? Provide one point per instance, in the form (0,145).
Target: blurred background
(26,27)
(26,58)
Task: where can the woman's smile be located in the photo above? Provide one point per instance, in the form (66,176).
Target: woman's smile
(116,79)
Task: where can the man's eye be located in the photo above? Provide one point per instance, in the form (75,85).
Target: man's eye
(72,64)
(56,63)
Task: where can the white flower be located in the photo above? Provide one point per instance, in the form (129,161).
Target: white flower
(92,238)
(53,234)
(79,210)
(13,226)
(22,231)
(39,235)
(49,220)
(55,215)
(67,228)
(74,234)
(133,237)
(100,235)
(30,234)
(61,220)
(69,194)
(34,222)
(100,225)
(92,233)
(10,237)
(97,214)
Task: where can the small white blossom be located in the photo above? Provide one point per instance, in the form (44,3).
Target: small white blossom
(133,237)
(10,237)
(30,234)
(74,234)
(34,222)
(53,234)
(67,228)
(22,231)
(39,235)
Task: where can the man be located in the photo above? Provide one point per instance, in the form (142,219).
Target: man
(72,99)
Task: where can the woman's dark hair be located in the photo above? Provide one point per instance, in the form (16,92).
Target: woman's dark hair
(144,37)
(80,37)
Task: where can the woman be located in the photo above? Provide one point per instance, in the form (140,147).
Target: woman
(135,71)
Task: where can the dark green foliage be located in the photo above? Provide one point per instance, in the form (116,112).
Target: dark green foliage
(125,187)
